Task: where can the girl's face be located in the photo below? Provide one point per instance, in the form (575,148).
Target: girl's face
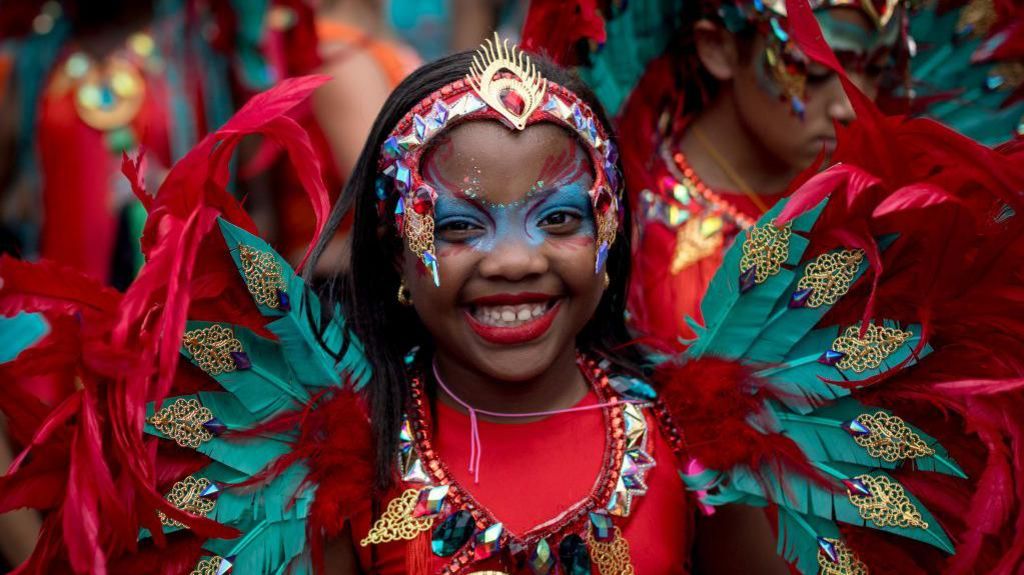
(514,235)
(864,52)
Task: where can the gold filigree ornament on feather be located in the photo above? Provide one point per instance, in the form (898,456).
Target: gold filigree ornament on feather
(610,557)
(397,522)
(187,495)
(209,566)
(263,276)
(844,563)
(515,97)
(211,348)
(182,421)
(887,504)
(890,438)
(829,276)
(765,250)
(863,353)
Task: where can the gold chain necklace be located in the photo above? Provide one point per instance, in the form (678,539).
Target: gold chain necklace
(726,167)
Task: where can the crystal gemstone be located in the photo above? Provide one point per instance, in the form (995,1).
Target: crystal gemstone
(452,533)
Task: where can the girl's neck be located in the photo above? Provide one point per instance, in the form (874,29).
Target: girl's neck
(719,123)
(561,386)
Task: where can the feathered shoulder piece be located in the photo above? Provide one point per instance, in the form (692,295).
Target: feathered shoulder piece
(209,418)
(859,371)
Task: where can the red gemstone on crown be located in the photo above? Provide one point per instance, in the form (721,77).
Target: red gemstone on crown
(512,101)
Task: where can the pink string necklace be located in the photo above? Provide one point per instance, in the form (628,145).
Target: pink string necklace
(475,447)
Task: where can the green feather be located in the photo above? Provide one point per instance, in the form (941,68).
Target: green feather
(634,36)
(787,326)
(821,436)
(311,364)
(804,496)
(735,320)
(803,381)
(944,64)
(798,538)
(269,385)
(248,454)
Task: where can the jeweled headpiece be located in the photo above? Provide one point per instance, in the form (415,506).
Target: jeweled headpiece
(504,85)
(784,59)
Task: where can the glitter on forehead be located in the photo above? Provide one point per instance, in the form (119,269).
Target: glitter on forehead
(503,85)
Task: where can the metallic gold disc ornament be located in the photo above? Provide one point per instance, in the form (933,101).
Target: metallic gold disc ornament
(502,84)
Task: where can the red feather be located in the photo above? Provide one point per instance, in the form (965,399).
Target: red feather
(50,287)
(558,29)
(712,401)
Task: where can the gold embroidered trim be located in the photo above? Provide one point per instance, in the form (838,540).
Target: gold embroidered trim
(610,557)
(890,438)
(491,59)
(185,495)
(696,239)
(848,563)
(830,276)
(262,274)
(862,354)
(209,566)
(888,504)
(397,521)
(766,249)
(211,348)
(183,422)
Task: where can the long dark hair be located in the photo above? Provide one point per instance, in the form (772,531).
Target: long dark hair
(367,291)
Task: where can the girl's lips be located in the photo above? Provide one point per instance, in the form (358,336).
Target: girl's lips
(519,334)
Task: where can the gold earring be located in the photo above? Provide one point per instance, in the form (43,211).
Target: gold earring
(404,297)
(607,280)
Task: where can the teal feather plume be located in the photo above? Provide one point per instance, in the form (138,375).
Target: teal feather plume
(798,538)
(943,64)
(804,496)
(787,325)
(635,35)
(297,328)
(269,386)
(822,438)
(803,383)
(735,320)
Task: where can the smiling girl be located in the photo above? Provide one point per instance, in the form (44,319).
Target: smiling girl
(512,303)
(473,405)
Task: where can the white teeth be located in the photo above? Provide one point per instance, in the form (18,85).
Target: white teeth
(509,315)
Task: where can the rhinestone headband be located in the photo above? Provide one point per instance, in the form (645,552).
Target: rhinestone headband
(504,85)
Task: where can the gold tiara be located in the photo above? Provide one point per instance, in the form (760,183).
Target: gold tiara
(516,93)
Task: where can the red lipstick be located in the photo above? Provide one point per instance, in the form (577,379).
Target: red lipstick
(520,334)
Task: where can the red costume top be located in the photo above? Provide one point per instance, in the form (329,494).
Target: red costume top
(532,472)
(684,228)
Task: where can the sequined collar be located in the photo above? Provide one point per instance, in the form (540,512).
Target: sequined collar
(468,533)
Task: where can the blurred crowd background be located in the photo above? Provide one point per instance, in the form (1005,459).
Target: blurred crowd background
(83,82)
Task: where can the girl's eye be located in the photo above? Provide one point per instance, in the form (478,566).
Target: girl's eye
(560,222)
(458,230)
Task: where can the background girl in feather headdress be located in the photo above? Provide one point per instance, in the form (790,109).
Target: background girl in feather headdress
(719,111)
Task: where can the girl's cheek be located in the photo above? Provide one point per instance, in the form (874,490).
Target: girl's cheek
(453,249)
(574,242)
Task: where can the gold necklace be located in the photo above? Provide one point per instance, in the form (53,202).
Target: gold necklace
(726,167)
